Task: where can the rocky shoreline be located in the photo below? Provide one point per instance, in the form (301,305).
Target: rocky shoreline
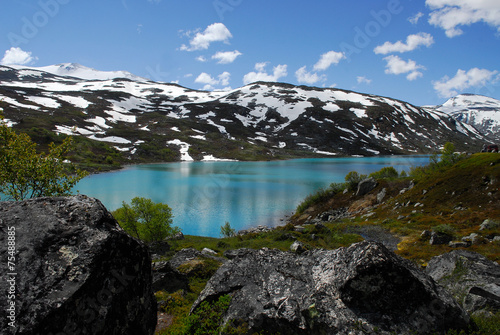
(78,271)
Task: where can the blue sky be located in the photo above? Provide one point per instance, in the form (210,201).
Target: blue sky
(420,51)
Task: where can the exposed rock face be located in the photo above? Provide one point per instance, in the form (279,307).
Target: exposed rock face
(470,277)
(366,186)
(77,271)
(361,289)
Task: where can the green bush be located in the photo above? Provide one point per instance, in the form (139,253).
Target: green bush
(25,174)
(444,229)
(227,231)
(352,180)
(146,220)
(387,172)
(207,318)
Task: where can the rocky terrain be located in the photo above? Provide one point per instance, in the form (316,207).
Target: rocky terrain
(138,120)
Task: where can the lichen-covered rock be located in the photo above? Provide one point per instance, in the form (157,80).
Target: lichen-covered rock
(364,288)
(472,278)
(77,271)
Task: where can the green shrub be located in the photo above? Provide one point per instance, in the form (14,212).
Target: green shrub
(146,220)
(444,229)
(227,231)
(387,172)
(25,174)
(207,318)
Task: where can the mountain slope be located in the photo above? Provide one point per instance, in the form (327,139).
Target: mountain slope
(79,71)
(476,110)
(142,118)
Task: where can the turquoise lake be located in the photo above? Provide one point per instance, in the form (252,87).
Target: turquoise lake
(204,195)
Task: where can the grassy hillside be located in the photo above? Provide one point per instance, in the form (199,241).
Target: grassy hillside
(455,198)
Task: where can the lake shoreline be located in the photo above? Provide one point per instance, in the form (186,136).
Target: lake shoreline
(246,194)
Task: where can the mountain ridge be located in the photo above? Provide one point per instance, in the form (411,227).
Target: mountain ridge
(480,111)
(262,120)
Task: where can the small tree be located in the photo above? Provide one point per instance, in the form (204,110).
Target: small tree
(447,156)
(352,179)
(227,231)
(146,220)
(26,174)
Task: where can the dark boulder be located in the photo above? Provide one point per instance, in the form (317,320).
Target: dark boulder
(168,278)
(361,289)
(366,186)
(438,238)
(472,278)
(77,271)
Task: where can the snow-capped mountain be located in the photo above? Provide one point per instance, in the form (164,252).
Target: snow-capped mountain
(263,120)
(476,110)
(79,71)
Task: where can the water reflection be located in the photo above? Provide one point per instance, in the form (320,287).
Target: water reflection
(204,195)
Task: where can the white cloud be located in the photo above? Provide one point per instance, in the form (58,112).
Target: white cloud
(261,67)
(279,71)
(216,32)
(412,42)
(226,57)
(303,76)
(450,14)
(448,87)
(396,65)
(201,59)
(414,19)
(327,59)
(364,80)
(210,82)
(16,56)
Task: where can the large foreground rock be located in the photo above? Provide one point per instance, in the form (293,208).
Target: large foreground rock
(472,278)
(77,271)
(362,289)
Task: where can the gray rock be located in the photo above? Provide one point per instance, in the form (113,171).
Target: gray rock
(475,239)
(440,238)
(459,244)
(381,195)
(297,247)
(489,224)
(207,251)
(346,291)
(472,278)
(167,278)
(77,270)
(365,186)
(234,253)
(177,237)
(189,254)
(300,229)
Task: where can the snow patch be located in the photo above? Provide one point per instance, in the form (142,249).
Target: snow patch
(183,150)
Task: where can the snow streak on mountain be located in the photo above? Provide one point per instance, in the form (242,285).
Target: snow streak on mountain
(476,110)
(272,120)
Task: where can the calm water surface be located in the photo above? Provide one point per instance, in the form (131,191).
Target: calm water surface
(204,195)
